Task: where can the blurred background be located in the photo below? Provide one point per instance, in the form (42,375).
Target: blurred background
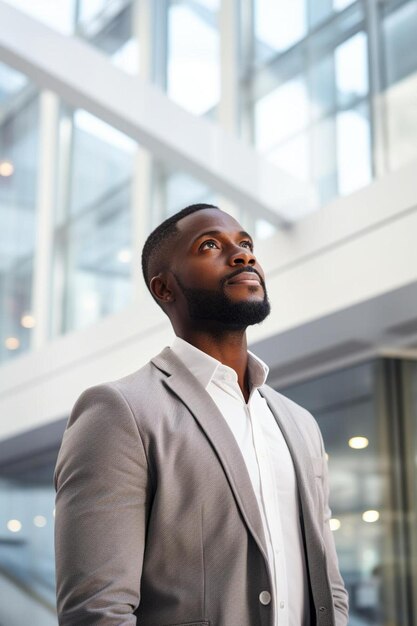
(299,117)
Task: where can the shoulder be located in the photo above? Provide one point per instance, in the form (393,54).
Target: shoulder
(141,385)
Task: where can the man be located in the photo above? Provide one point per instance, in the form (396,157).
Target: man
(190,493)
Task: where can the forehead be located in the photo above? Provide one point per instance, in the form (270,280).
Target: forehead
(207,220)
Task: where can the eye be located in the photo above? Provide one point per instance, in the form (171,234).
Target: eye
(209,244)
(247,244)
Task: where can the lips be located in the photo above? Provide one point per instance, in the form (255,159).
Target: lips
(244,278)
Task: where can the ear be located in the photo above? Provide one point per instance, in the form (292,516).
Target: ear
(160,289)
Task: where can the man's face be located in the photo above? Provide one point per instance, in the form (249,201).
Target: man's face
(216,275)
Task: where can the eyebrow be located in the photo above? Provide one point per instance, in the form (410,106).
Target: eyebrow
(215,233)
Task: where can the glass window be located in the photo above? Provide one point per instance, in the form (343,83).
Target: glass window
(27,560)
(351,412)
(278,25)
(101,160)
(319,10)
(322,87)
(183,190)
(353,149)
(193,64)
(281,113)
(111,31)
(351,69)
(293,157)
(92,266)
(399,32)
(323,158)
(18,183)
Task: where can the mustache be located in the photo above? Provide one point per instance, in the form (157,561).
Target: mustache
(247,268)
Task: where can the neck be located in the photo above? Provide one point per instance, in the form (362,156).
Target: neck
(228,347)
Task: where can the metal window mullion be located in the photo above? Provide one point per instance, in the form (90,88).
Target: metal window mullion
(229,65)
(377,104)
(47,159)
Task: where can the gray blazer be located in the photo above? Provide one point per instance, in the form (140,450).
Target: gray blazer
(157,523)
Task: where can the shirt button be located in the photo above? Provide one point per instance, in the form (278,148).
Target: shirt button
(264,597)
(281,604)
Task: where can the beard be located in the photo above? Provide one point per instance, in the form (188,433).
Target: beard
(215,306)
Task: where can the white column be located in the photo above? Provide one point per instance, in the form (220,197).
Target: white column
(47,159)
(142,166)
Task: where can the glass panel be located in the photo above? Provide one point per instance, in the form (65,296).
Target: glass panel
(105,24)
(399,30)
(193,73)
(90,9)
(353,149)
(278,25)
(93,237)
(351,69)
(293,157)
(111,32)
(27,563)
(347,407)
(19,128)
(183,190)
(323,160)
(281,113)
(322,87)
(101,160)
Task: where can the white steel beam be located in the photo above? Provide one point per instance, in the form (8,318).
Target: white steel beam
(85,78)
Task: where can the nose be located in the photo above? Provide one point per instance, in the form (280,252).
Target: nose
(242,256)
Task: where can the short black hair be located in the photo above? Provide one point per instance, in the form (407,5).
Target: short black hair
(155,245)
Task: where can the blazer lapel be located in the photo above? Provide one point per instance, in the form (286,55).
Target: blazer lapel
(296,445)
(204,410)
(306,482)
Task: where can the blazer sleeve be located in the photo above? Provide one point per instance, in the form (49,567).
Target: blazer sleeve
(340,595)
(101,480)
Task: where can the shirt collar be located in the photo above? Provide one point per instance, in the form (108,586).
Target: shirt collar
(204,367)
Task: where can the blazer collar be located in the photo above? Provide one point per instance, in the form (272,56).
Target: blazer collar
(204,410)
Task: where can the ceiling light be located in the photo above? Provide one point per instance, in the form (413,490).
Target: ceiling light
(27,321)
(370,516)
(14,525)
(358,443)
(6,168)
(124,256)
(12,343)
(335,523)
(39,521)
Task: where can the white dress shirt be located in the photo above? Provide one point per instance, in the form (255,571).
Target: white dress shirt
(271,471)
